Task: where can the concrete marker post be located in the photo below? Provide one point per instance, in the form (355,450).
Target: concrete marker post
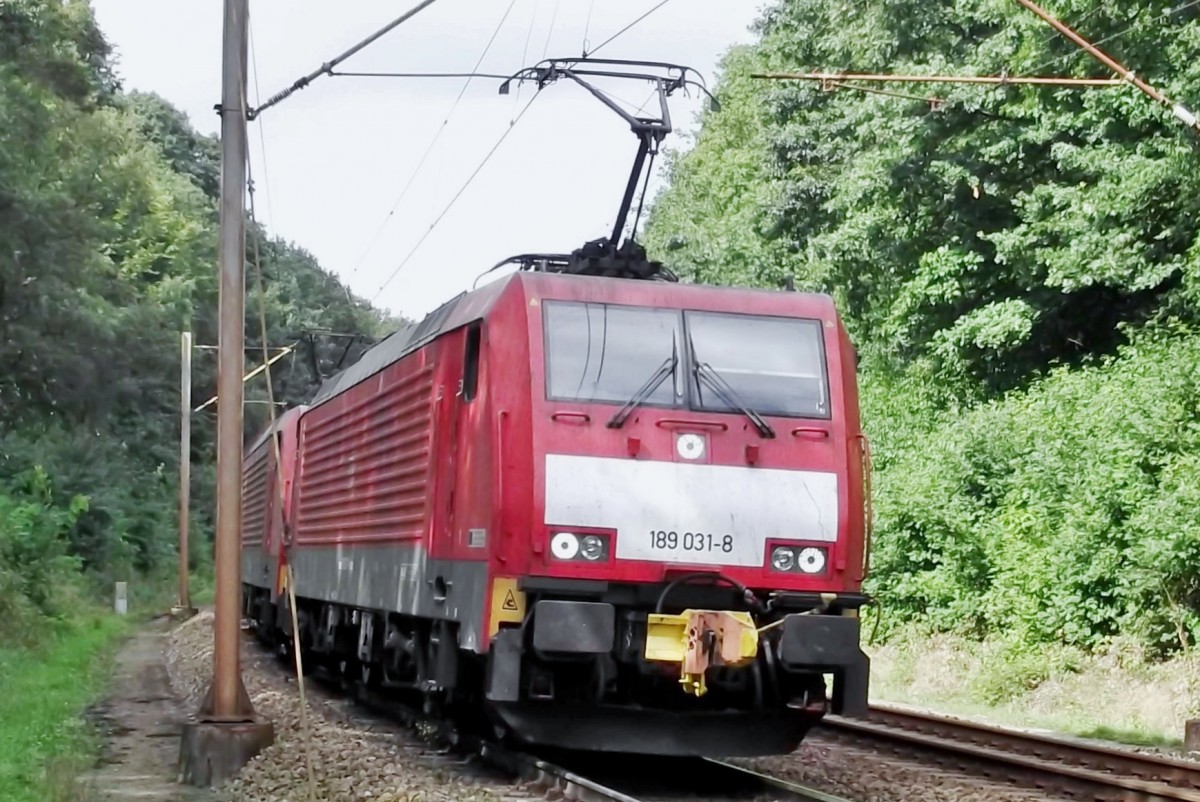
(1191,735)
(184,608)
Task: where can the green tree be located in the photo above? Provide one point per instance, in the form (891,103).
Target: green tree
(1018,268)
(976,242)
(107,252)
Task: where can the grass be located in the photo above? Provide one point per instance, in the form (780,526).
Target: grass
(1132,737)
(201,587)
(44,740)
(1115,696)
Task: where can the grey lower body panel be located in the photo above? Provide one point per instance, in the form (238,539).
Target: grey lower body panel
(574,627)
(397,578)
(258,568)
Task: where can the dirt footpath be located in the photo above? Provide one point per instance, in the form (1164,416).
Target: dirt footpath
(140,720)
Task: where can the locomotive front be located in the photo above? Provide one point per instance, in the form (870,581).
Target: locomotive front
(697,527)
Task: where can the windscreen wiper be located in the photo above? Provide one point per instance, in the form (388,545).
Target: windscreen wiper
(707,374)
(667,368)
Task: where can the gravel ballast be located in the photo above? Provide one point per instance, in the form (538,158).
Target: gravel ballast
(358,755)
(837,767)
(355,756)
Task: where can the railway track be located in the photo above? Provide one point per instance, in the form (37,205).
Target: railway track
(592,777)
(655,780)
(603,777)
(1077,769)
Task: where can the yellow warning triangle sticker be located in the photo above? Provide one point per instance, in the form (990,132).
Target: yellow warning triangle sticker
(510,601)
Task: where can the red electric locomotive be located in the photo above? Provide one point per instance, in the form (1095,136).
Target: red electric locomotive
(615,513)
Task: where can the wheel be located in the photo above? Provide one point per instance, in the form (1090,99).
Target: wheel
(370,675)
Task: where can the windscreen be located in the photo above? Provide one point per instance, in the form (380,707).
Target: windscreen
(604,352)
(775,365)
(607,353)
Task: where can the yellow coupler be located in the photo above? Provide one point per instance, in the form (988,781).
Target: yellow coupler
(699,639)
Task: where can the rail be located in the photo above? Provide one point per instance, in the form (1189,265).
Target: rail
(1105,773)
(800,793)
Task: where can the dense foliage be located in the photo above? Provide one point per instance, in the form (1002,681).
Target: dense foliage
(107,252)
(1019,268)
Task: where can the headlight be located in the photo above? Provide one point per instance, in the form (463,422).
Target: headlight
(783,558)
(591,547)
(564,545)
(568,546)
(811,560)
(798,559)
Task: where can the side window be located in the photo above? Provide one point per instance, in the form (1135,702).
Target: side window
(470,381)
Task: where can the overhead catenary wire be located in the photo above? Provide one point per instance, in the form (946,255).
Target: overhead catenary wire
(412,177)
(1181,112)
(328,66)
(1053,36)
(1125,75)
(424,236)
(525,50)
(636,107)
(262,136)
(619,33)
(550,30)
(587,26)
(1100,42)
(529,31)
(284,352)
(496,75)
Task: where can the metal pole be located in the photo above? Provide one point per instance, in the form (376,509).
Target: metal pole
(939,79)
(627,201)
(185,463)
(226,734)
(327,67)
(1183,114)
(230,364)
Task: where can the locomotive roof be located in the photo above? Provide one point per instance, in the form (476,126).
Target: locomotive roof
(470,306)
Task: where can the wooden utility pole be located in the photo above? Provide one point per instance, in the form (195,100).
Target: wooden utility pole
(226,735)
(185,468)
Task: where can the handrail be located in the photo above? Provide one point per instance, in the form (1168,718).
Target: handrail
(799,430)
(498,501)
(868,503)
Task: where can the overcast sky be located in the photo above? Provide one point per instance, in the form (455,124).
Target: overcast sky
(338,154)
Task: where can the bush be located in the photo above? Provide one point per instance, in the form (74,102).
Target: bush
(1064,513)
(36,566)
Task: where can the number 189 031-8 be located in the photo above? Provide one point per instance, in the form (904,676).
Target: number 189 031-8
(661,539)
